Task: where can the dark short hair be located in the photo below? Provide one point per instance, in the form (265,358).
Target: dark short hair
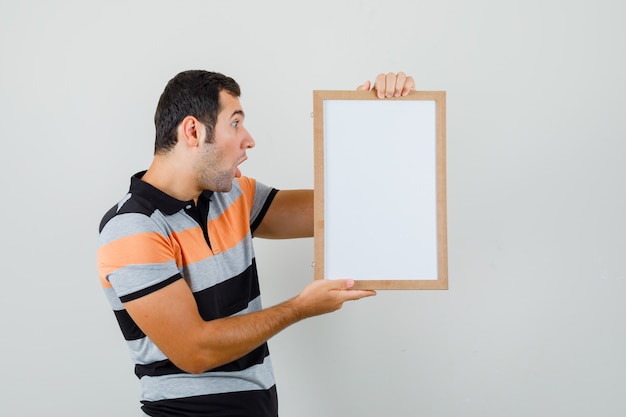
(190,93)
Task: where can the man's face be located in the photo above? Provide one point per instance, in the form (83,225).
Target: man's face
(218,161)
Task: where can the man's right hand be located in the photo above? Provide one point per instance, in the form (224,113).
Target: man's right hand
(324,296)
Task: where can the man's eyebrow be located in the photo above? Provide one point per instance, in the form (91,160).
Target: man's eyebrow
(238,112)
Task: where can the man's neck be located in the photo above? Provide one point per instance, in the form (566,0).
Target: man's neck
(175,181)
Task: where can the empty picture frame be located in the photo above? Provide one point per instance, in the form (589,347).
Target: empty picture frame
(380,189)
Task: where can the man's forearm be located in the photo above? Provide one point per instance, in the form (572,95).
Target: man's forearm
(224,340)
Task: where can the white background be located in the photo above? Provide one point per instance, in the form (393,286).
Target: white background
(533,322)
(380,207)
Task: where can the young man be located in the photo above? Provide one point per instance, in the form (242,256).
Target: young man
(176,260)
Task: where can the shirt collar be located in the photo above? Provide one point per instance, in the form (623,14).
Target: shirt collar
(160,200)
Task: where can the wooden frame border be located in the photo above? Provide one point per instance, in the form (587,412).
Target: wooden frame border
(319,96)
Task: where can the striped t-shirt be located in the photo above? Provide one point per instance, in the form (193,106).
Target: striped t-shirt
(149,240)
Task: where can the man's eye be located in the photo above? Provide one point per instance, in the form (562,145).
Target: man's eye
(235,123)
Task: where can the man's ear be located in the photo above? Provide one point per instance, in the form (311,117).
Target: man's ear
(190,131)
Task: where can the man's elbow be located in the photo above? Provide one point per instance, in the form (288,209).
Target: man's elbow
(196,363)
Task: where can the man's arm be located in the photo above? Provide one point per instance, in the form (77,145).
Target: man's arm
(290,216)
(170,318)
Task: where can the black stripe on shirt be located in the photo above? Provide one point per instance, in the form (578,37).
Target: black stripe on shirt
(229,297)
(258,403)
(167,367)
(148,290)
(129,328)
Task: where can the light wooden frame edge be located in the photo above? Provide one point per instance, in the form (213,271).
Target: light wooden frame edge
(319,96)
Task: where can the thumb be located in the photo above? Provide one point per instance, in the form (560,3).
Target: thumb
(340,284)
(364,87)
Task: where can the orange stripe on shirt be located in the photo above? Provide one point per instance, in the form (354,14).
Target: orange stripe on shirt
(248,187)
(227,230)
(191,245)
(137,249)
